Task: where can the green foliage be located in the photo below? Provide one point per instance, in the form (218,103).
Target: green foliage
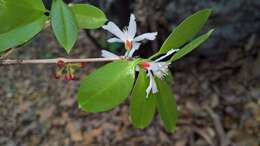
(110,85)
(142,108)
(166,105)
(88,16)
(192,45)
(64,24)
(28,4)
(185,31)
(107,87)
(21,34)
(20,21)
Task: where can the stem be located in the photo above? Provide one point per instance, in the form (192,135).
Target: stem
(54,61)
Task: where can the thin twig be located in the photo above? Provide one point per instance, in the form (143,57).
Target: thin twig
(54,61)
(6,53)
(224,140)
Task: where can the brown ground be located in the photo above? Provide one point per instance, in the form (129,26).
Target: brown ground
(219,100)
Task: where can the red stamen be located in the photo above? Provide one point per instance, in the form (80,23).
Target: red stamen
(145,65)
(128,44)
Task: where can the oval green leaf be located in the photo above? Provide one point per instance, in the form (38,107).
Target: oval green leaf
(27,4)
(107,87)
(185,31)
(64,24)
(166,105)
(21,34)
(191,46)
(19,27)
(88,16)
(142,109)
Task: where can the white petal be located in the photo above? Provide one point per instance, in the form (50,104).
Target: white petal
(137,68)
(147,36)
(107,54)
(111,27)
(152,85)
(114,40)
(160,69)
(167,54)
(136,46)
(149,88)
(132,27)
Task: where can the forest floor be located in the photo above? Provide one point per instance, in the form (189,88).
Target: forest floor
(218,97)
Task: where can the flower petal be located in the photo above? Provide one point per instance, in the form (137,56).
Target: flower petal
(152,85)
(147,36)
(132,26)
(167,54)
(136,46)
(111,27)
(114,40)
(107,54)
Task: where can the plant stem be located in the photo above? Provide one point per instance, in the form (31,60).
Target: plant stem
(54,61)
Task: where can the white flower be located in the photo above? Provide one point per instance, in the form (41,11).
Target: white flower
(107,54)
(157,68)
(128,36)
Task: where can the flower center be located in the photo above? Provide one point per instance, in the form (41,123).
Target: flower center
(145,65)
(128,44)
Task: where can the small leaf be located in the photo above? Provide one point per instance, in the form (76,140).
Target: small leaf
(88,16)
(107,87)
(64,24)
(21,34)
(166,105)
(142,109)
(192,45)
(185,31)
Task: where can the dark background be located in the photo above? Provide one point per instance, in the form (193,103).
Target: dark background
(216,86)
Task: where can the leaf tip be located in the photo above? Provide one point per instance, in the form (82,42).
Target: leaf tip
(211,31)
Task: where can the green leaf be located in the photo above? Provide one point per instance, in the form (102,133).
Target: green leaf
(107,87)
(27,4)
(21,34)
(88,16)
(21,22)
(169,78)
(185,31)
(64,24)
(166,105)
(192,45)
(142,109)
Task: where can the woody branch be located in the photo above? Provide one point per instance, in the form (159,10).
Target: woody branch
(54,61)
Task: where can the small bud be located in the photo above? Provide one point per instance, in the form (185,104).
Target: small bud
(66,78)
(60,63)
(82,64)
(72,77)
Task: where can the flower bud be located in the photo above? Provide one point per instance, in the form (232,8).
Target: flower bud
(60,63)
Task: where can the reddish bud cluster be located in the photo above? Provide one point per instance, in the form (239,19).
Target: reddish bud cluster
(67,70)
